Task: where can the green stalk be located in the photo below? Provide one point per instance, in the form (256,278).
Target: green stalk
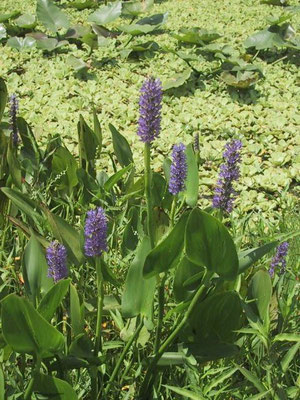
(98,346)
(122,356)
(161,301)
(148,193)
(173,210)
(100,294)
(35,372)
(144,391)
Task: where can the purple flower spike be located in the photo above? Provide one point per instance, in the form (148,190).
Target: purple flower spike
(150,110)
(178,170)
(56,255)
(280,258)
(95,232)
(229,172)
(14,107)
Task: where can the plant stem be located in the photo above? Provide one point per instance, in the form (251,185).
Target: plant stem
(122,356)
(29,389)
(98,347)
(161,300)
(148,192)
(173,210)
(149,374)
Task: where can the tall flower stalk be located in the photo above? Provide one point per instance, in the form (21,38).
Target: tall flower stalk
(148,131)
(229,172)
(95,232)
(178,174)
(279,260)
(14,107)
(56,255)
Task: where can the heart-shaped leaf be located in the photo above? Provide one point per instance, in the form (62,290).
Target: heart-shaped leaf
(177,80)
(53,388)
(53,298)
(21,43)
(106,14)
(26,331)
(2,31)
(51,16)
(136,8)
(168,252)
(26,21)
(209,244)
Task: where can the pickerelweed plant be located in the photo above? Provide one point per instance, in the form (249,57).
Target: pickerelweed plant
(189,294)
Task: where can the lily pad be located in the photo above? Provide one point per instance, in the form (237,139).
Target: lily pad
(196,36)
(243,80)
(106,14)
(135,8)
(21,43)
(2,31)
(26,21)
(76,63)
(177,80)
(50,44)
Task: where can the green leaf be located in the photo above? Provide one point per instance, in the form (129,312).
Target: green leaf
(82,5)
(287,337)
(192,179)
(97,131)
(186,394)
(177,80)
(35,268)
(266,39)
(26,21)
(3,96)
(241,80)
(26,331)
(76,63)
(260,395)
(53,298)
(87,141)
(51,16)
(196,36)
(30,146)
(24,203)
(21,43)
(138,292)
(66,234)
(130,236)
(82,347)
(217,380)
(145,25)
(214,320)
(154,20)
(50,44)
(184,271)
(253,379)
(168,252)
(289,356)
(2,384)
(106,14)
(64,165)
(136,8)
(116,177)
(250,256)
(77,322)
(12,15)
(14,165)
(260,289)
(209,244)
(3,33)
(53,388)
(121,147)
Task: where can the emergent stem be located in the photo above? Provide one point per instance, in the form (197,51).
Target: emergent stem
(148,193)
(148,377)
(122,356)
(35,372)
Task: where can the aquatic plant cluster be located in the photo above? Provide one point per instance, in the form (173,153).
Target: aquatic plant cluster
(75,308)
